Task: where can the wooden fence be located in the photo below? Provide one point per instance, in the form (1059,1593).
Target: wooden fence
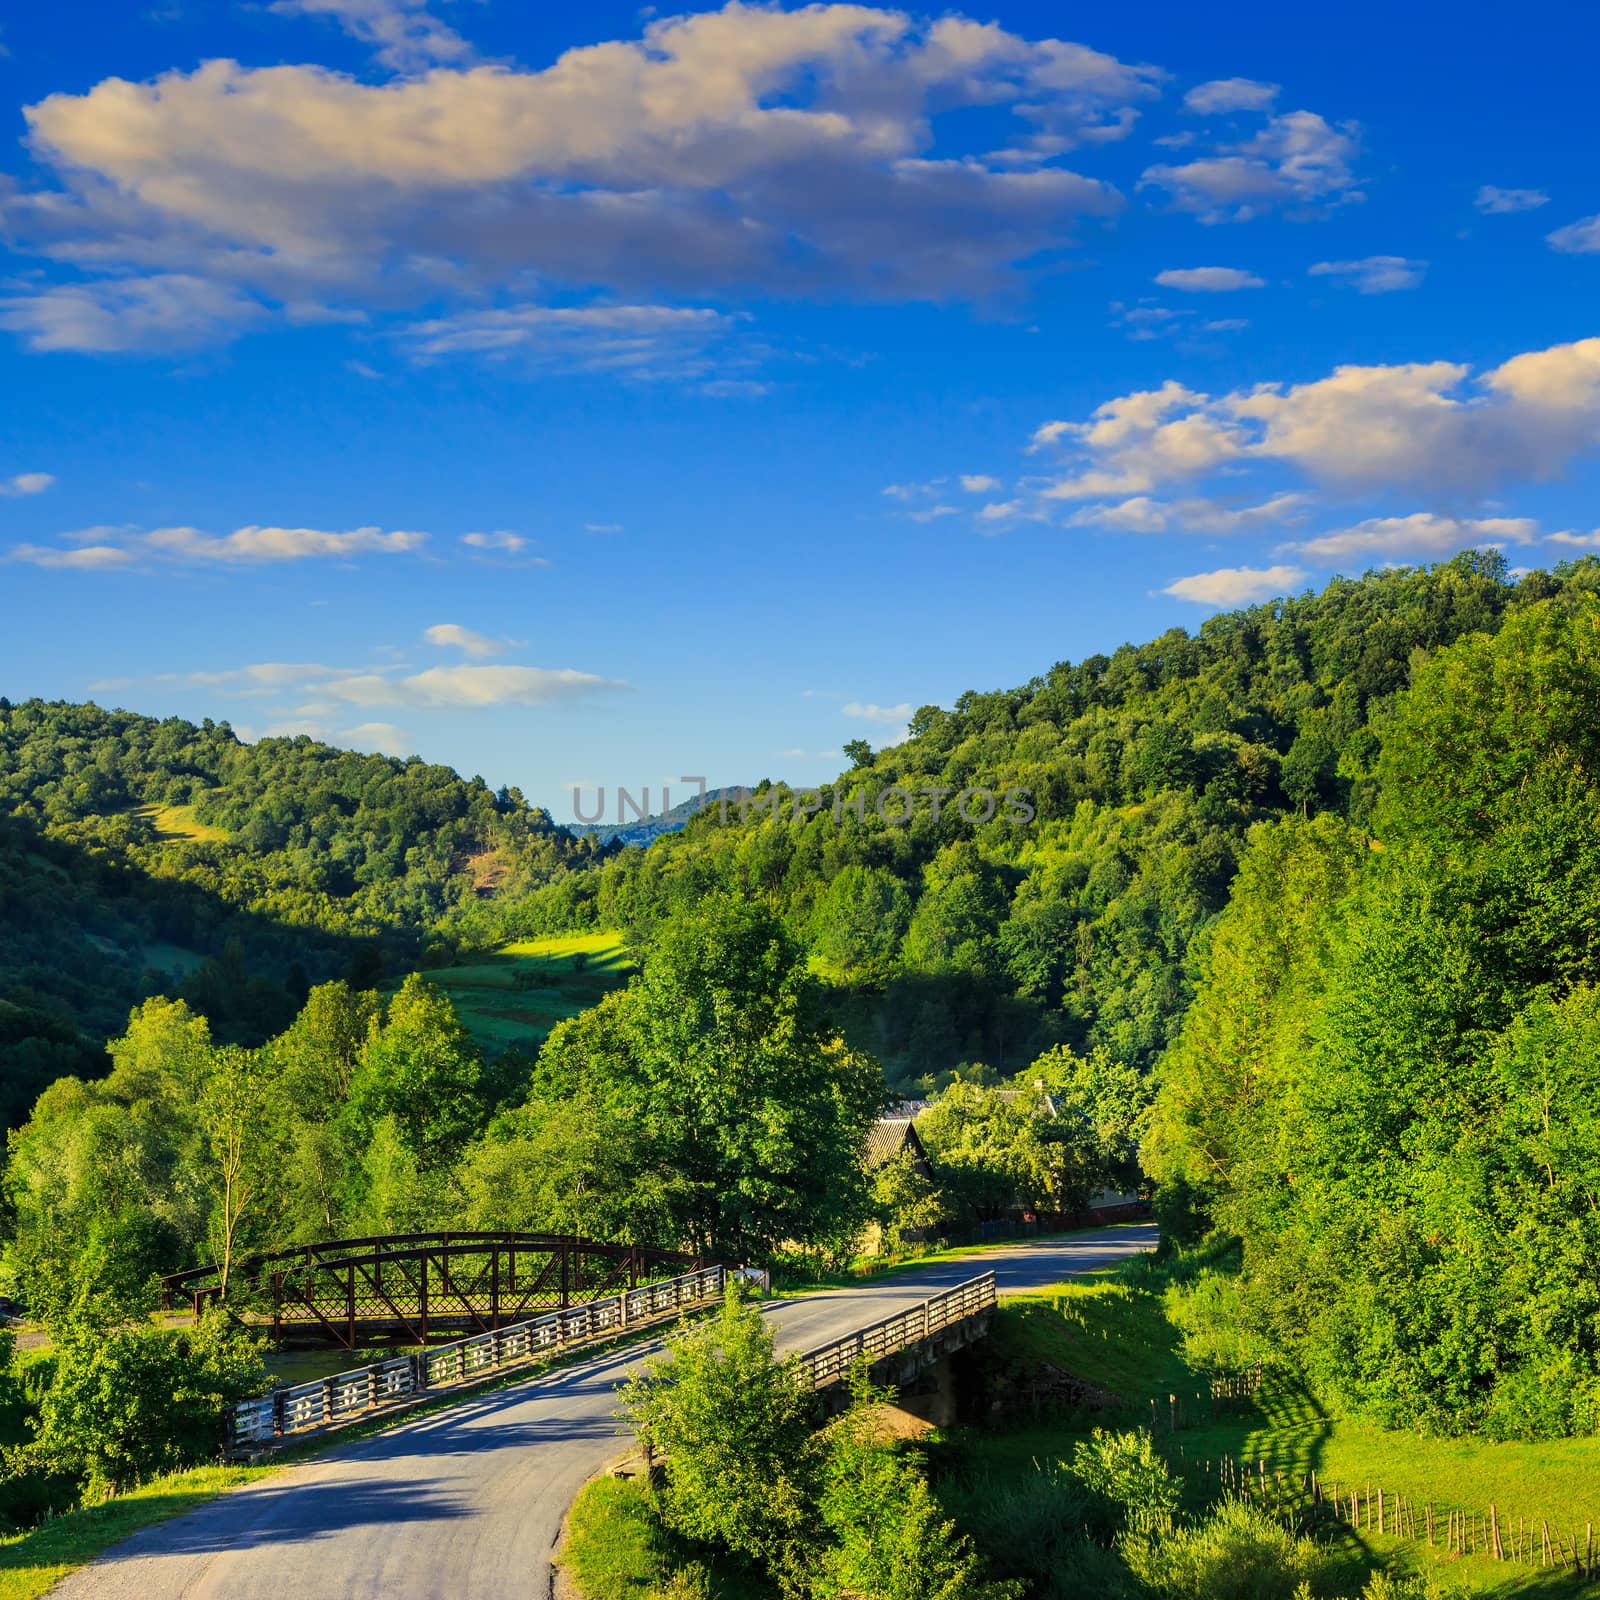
(325,1402)
(1307,1502)
(830,1362)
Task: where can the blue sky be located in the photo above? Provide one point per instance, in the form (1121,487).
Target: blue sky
(604,396)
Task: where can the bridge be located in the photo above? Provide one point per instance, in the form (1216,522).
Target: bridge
(470,1500)
(419,1288)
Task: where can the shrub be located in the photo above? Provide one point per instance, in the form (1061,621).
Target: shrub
(1237,1553)
(1127,1484)
(128,1403)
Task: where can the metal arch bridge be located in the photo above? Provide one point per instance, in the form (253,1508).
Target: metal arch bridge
(418,1288)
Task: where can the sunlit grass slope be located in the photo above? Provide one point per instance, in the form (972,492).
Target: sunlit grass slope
(518,993)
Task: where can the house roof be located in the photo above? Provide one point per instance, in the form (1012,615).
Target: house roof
(888,1136)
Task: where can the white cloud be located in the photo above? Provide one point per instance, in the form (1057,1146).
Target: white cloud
(1230,94)
(88,558)
(261,675)
(249,546)
(1577,238)
(802,151)
(466,686)
(1373,274)
(1421,534)
(499,539)
(1575,541)
(933,513)
(1236,586)
(1432,426)
(1142,514)
(384,737)
(602,527)
(890,716)
(255,545)
(979,483)
(26,483)
(452,636)
(1000,511)
(406,36)
(1495,200)
(1141,440)
(171,311)
(1299,160)
(1208,280)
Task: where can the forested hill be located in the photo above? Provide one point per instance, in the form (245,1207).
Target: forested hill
(141,856)
(985,942)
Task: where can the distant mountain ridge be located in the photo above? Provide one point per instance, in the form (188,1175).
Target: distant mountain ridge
(642,832)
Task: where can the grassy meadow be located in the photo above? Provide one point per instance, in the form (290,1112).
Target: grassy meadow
(1111,1330)
(515,995)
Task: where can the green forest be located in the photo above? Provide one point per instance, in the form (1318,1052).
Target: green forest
(1298,939)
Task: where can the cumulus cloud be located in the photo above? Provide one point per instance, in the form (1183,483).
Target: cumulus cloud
(1421,534)
(1235,586)
(790,151)
(1230,94)
(1495,200)
(1298,161)
(1433,426)
(1140,440)
(452,636)
(1373,274)
(167,312)
(405,35)
(26,483)
(979,483)
(465,687)
(1208,280)
(1577,238)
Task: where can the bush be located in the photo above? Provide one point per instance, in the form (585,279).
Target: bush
(733,1425)
(128,1403)
(1127,1484)
(1033,1529)
(1237,1553)
(891,1540)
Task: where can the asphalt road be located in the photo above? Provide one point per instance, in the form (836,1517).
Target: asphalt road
(468,1502)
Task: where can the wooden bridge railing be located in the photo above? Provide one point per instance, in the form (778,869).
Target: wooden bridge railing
(829,1363)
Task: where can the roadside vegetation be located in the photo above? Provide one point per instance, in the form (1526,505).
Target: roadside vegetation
(1301,936)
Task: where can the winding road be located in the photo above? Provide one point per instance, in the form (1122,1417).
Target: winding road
(468,1502)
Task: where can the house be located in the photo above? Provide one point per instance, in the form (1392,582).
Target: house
(889,1136)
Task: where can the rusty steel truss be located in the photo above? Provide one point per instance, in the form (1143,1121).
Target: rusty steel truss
(417,1288)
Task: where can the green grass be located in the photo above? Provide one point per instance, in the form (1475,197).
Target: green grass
(1110,1329)
(617,1549)
(515,995)
(178,822)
